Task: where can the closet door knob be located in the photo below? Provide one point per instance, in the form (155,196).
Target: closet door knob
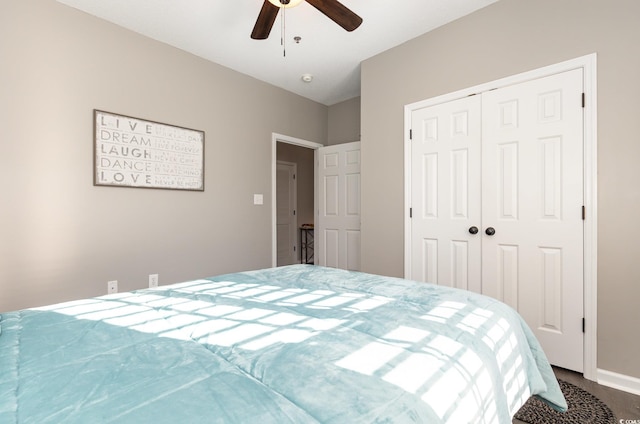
(490,231)
(473,230)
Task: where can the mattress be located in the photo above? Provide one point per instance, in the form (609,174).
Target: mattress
(295,344)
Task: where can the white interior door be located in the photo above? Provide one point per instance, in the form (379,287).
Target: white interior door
(445,194)
(533,197)
(338,228)
(286,220)
(530,156)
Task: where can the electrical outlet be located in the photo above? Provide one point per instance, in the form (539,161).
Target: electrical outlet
(153,280)
(112,286)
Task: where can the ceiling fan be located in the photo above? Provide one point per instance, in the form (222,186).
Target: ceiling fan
(333,9)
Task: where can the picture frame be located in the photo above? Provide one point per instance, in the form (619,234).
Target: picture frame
(135,152)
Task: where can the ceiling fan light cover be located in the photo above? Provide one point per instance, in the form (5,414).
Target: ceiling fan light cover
(292,3)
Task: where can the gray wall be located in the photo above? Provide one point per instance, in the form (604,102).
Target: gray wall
(506,38)
(344,122)
(62,238)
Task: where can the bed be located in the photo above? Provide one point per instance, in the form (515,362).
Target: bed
(295,344)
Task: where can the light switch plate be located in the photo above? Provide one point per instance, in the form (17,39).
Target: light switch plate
(258,199)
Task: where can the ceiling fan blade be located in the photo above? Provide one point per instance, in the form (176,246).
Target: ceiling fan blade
(338,13)
(265,21)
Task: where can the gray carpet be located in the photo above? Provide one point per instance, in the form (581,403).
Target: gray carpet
(584,408)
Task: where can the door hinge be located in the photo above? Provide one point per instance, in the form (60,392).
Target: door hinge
(410,212)
(583,324)
(410,134)
(584,213)
(584,100)
(294,212)
(294,176)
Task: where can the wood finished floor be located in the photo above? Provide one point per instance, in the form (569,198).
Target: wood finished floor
(625,406)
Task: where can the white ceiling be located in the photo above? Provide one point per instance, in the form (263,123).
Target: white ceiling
(219,31)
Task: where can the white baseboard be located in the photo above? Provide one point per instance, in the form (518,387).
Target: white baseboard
(619,381)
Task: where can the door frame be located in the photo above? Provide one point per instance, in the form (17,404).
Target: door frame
(588,64)
(275,139)
(293,197)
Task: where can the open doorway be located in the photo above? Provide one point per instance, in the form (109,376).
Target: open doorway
(302,153)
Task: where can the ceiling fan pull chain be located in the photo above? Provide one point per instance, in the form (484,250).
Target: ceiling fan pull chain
(283,33)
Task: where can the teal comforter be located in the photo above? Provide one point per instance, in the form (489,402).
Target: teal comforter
(298,344)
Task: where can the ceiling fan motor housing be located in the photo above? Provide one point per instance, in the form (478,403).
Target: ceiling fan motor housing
(333,9)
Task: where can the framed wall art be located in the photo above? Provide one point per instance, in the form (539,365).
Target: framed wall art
(133,152)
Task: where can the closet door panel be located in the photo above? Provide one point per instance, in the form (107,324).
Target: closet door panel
(445,194)
(532,197)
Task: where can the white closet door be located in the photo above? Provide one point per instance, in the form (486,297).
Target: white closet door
(445,194)
(338,229)
(510,162)
(532,197)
